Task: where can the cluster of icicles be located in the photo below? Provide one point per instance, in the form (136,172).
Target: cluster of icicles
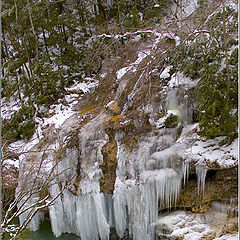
(133,207)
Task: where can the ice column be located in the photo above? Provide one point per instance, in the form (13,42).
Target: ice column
(26,214)
(90,220)
(185,169)
(136,205)
(56,212)
(201,172)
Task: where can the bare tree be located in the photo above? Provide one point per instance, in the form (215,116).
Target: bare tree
(32,195)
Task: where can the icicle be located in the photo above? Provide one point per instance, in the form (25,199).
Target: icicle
(136,205)
(36,219)
(201,172)
(56,212)
(168,184)
(163,184)
(84,214)
(91,222)
(108,208)
(135,209)
(120,209)
(69,208)
(185,169)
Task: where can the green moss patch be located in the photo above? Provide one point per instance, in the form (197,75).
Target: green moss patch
(172,121)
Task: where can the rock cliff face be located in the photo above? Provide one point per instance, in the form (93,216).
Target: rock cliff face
(129,157)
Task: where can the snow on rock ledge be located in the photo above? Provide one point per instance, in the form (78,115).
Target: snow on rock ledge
(212,155)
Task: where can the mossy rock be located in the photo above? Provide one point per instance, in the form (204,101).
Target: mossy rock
(114,108)
(24,235)
(88,110)
(116,118)
(109,165)
(172,121)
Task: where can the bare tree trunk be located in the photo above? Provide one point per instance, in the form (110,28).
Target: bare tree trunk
(119,17)
(225,46)
(18,88)
(33,29)
(102,11)
(45,42)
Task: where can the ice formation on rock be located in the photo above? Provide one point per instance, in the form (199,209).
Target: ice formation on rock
(139,187)
(147,177)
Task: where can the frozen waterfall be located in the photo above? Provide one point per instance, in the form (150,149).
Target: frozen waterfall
(147,178)
(134,204)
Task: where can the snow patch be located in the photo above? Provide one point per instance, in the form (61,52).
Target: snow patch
(179,79)
(62,113)
(9,107)
(84,86)
(228,237)
(165,73)
(121,72)
(10,162)
(210,151)
(141,55)
(180,224)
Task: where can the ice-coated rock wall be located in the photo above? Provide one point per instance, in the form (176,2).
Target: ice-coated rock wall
(133,206)
(147,177)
